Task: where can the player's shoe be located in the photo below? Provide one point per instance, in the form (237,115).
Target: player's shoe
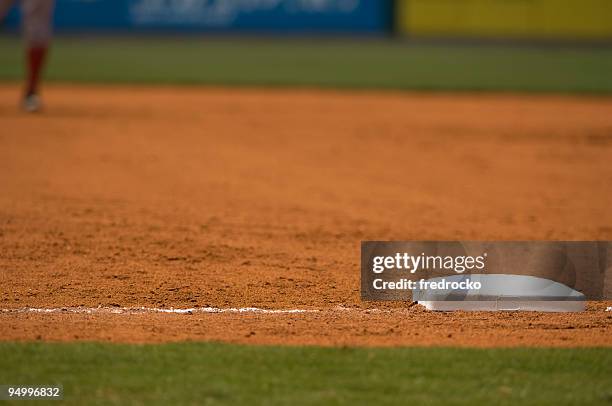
(32,103)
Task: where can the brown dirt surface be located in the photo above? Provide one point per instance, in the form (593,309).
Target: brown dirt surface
(192,197)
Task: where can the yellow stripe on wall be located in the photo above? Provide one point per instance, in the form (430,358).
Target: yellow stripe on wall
(580,19)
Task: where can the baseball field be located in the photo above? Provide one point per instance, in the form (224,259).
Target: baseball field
(182,223)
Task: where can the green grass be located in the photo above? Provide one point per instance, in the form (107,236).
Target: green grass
(346,63)
(209,373)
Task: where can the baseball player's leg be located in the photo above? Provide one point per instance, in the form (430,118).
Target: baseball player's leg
(37,29)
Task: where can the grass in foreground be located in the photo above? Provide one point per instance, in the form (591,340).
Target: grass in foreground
(320,63)
(209,373)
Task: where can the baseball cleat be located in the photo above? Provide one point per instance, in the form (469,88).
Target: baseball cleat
(32,103)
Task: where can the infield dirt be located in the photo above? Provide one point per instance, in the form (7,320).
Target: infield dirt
(189,197)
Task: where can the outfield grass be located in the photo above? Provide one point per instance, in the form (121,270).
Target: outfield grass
(208,373)
(336,63)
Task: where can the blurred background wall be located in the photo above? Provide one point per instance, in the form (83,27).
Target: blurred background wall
(529,19)
(509,19)
(225,16)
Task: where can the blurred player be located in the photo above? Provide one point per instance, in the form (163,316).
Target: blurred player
(37,30)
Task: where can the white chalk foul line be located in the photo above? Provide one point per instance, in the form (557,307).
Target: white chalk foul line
(138,310)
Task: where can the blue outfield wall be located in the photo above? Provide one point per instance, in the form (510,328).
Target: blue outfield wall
(225,16)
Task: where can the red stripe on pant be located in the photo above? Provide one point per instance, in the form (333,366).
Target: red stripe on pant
(35,62)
